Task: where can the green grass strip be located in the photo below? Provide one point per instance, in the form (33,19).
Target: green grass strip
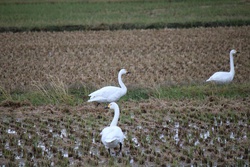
(76,96)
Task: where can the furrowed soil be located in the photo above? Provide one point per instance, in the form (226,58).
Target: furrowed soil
(212,131)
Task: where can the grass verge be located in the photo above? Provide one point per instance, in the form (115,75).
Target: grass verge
(59,94)
(56,92)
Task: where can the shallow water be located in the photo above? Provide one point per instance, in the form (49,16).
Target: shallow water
(41,140)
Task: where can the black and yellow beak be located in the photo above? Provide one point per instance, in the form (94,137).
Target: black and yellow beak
(237,52)
(107,107)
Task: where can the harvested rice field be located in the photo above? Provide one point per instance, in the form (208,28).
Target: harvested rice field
(209,131)
(168,56)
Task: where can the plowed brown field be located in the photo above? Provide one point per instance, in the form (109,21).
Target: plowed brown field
(94,58)
(214,131)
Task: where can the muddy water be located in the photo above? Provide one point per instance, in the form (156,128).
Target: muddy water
(157,135)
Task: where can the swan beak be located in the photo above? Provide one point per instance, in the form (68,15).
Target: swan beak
(107,107)
(237,52)
(128,72)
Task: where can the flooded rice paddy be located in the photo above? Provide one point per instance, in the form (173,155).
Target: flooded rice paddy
(209,132)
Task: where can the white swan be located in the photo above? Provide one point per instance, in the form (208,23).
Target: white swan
(110,93)
(112,136)
(222,77)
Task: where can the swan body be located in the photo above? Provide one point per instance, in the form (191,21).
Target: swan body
(112,136)
(222,77)
(110,93)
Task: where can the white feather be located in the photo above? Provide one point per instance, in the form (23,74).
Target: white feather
(112,135)
(110,93)
(224,77)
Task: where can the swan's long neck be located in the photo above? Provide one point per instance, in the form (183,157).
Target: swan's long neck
(231,64)
(116,116)
(120,81)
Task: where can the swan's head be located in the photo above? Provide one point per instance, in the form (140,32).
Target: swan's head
(232,52)
(124,71)
(112,105)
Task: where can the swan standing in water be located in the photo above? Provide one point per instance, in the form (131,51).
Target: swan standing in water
(222,77)
(112,136)
(109,94)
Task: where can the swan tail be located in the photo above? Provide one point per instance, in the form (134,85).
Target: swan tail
(98,99)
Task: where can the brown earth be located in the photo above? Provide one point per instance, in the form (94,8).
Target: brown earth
(214,131)
(167,56)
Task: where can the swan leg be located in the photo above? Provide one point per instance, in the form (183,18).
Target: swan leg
(97,104)
(120,148)
(109,151)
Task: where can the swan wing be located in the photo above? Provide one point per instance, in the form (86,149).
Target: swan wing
(105,91)
(221,77)
(112,135)
(106,94)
